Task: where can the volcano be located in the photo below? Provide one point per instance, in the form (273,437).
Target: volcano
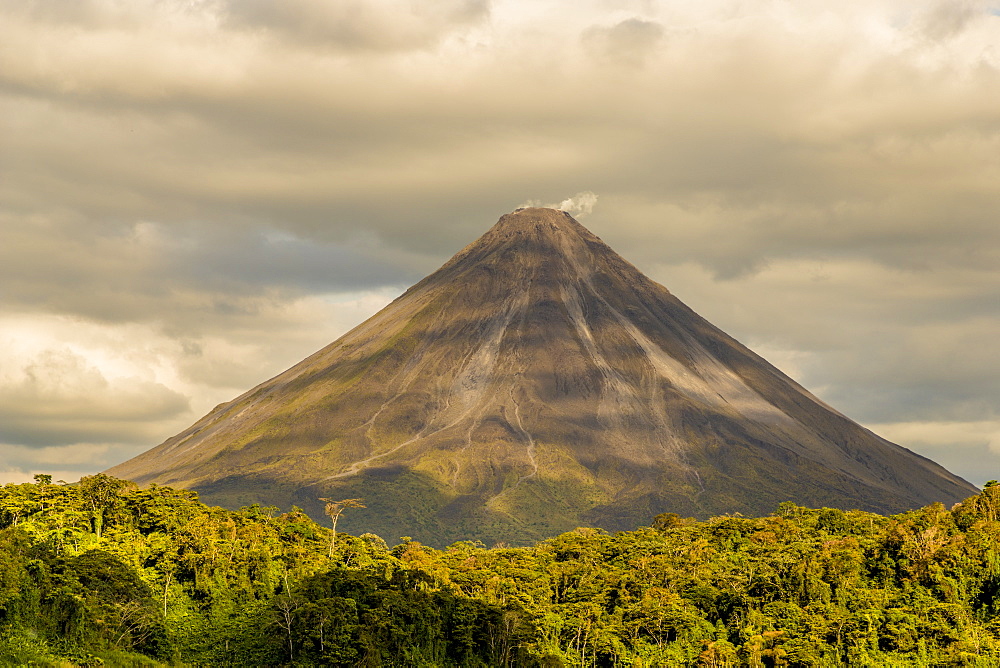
(535,383)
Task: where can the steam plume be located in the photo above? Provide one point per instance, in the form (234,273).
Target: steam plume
(578,205)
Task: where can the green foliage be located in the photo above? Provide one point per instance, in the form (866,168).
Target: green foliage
(104,573)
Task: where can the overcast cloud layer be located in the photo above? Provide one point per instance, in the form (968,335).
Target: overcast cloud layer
(196,194)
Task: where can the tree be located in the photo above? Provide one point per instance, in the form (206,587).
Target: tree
(334,509)
(101,492)
(665,521)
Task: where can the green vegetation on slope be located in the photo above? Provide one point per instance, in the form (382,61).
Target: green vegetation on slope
(103,573)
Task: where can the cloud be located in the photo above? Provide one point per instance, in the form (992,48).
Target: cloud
(969,449)
(70,385)
(211,275)
(946,19)
(89,14)
(629,43)
(69,462)
(57,397)
(17,476)
(876,342)
(211,190)
(369,25)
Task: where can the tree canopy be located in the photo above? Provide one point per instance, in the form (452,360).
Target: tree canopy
(105,573)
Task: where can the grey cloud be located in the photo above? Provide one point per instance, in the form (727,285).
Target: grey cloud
(975,463)
(682,156)
(880,345)
(970,449)
(60,400)
(947,18)
(251,259)
(67,462)
(630,42)
(946,372)
(369,25)
(219,273)
(85,13)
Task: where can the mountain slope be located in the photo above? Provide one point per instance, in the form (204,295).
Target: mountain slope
(537,382)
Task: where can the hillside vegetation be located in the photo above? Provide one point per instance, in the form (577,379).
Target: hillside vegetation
(104,573)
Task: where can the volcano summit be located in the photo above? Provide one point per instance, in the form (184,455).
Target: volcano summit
(535,383)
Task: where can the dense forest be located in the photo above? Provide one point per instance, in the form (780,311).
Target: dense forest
(104,573)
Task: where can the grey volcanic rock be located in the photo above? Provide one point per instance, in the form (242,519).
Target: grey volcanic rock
(535,383)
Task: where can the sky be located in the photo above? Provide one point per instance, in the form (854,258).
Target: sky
(195,195)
